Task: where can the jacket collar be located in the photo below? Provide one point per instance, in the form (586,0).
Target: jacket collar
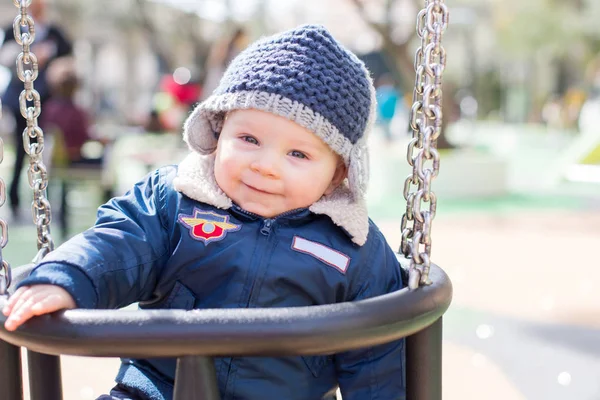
(196,179)
(297,214)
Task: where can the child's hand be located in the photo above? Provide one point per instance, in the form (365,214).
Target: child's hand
(29,301)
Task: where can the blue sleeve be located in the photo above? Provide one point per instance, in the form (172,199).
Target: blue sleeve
(375,372)
(118,260)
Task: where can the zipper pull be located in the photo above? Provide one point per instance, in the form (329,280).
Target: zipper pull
(266,228)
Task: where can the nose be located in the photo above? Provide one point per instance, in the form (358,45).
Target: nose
(266,164)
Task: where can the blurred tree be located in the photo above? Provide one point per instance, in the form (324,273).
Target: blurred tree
(400,60)
(399,55)
(559,36)
(554,26)
(187,27)
(165,63)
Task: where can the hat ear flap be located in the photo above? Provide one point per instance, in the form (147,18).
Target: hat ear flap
(199,130)
(358,170)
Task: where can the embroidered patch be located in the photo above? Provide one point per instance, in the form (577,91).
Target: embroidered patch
(323,253)
(208,226)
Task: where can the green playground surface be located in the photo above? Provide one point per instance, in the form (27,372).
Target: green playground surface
(393,208)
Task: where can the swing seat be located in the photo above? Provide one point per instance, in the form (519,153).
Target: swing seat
(195,336)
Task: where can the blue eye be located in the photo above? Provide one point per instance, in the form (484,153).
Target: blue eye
(249,139)
(297,154)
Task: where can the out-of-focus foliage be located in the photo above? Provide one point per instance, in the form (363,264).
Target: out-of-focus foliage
(523,26)
(554,26)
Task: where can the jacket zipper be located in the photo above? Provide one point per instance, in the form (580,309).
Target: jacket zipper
(266,228)
(266,231)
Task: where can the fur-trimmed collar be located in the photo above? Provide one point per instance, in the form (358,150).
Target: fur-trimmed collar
(196,179)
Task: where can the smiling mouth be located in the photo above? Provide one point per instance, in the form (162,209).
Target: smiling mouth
(256,189)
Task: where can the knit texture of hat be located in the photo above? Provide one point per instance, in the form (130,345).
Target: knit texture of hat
(304,75)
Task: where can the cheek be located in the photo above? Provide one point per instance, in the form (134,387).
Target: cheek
(227,168)
(308,185)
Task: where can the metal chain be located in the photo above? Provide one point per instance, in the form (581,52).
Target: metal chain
(426,125)
(33,136)
(5,271)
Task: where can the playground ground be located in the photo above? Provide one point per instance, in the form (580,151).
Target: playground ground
(525,319)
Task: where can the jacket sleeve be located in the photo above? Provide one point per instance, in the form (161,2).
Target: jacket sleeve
(375,372)
(118,260)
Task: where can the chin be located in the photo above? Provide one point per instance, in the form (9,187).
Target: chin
(258,209)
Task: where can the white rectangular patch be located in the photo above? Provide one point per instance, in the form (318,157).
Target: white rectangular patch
(323,253)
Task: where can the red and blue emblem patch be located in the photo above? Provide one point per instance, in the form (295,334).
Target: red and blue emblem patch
(208,226)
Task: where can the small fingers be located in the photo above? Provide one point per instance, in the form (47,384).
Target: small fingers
(14,299)
(24,297)
(31,303)
(50,303)
(19,315)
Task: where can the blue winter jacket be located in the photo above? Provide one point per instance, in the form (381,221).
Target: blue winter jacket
(161,248)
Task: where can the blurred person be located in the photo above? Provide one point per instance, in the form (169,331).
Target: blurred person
(65,121)
(267,210)
(387,102)
(221,54)
(153,123)
(50,43)
(67,128)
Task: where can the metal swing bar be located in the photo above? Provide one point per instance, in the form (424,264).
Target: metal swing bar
(194,337)
(323,329)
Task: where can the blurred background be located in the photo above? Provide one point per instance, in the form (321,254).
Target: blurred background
(519,185)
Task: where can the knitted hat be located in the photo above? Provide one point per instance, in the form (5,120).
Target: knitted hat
(304,75)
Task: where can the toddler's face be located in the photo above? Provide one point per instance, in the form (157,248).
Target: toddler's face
(269,165)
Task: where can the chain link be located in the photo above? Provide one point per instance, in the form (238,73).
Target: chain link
(5,272)
(422,155)
(33,136)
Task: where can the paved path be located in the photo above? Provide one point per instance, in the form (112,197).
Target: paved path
(526,311)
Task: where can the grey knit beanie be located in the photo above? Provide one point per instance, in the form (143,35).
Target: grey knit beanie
(304,75)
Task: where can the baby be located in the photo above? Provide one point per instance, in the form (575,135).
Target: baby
(268,210)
